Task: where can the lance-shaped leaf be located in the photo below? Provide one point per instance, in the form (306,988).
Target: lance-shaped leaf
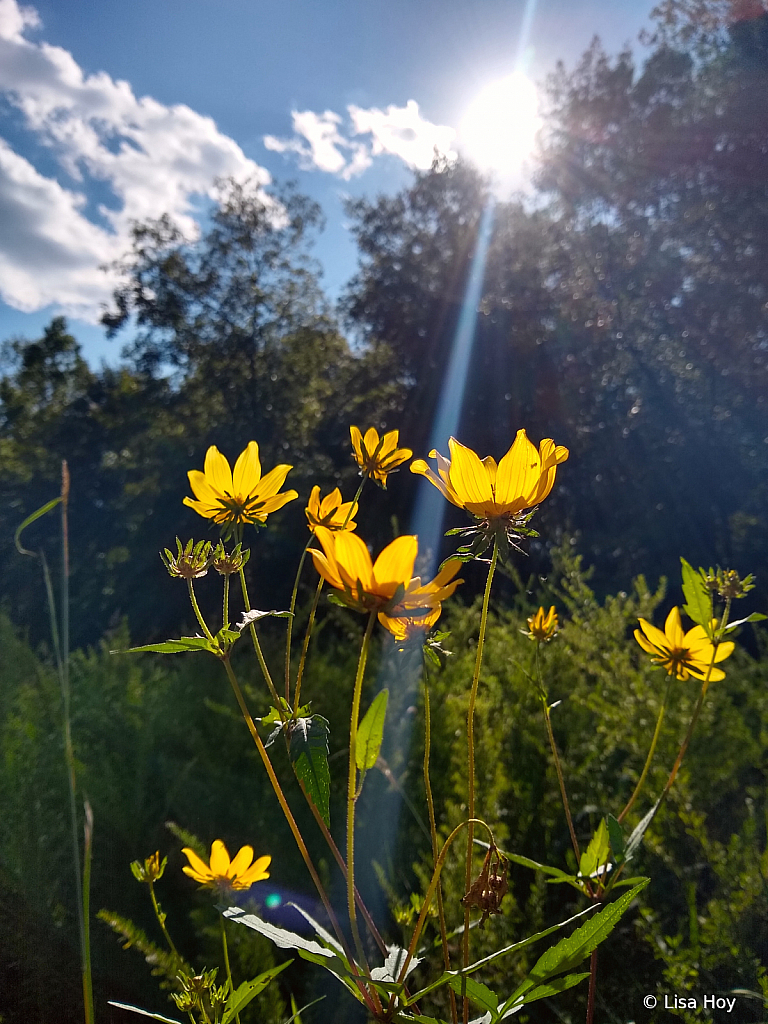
(639,831)
(754,617)
(31,519)
(144,1013)
(596,854)
(616,838)
(569,953)
(480,994)
(244,993)
(185,643)
(309,754)
(254,615)
(370,733)
(698,598)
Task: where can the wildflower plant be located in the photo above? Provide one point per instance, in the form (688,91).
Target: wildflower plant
(500,499)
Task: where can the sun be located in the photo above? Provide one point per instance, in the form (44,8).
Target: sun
(499,126)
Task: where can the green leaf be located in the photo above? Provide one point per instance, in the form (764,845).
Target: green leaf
(616,838)
(144,1013)
(244,993)
(445,978)
(309,755)
(569,953)
(295,1016)
(526,862)
(254,615)
(639,831)
(370,733)
(393,964)
(698,606)
(477,992)
(186,643)
(31,519)
(552,988)
(596,854)
(280,936)
(754,617)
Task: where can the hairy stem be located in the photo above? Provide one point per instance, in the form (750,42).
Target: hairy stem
(352,784)
(471,756)
(433,836)
(305,645)
(225,948)
(289,631)
(259,653)
(649,758)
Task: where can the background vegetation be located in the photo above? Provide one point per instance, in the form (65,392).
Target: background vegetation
(623,314)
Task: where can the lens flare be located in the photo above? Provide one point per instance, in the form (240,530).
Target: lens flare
(499,127)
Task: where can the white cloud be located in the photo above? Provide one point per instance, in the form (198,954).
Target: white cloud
(154,158)
(400,131)
(403,132)
(318,144)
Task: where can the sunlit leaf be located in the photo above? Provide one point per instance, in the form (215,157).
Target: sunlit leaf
(244,993)
(370,733)
(309,755)
(698,606)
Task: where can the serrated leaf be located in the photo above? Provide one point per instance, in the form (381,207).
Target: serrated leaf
(596,854)
(244,993)
(144,1013)
(553,988)
(526,862)
(569,953)
(445,978)
(616,838)
(698,606)
(309,754)
(393,964)
(370,732)
(477,992)
(186,643)
(320,932)
(281,937)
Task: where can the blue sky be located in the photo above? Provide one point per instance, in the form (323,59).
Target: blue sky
(112,111)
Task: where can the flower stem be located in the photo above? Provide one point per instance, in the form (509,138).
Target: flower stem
(161,921)
(592,987)
(289,631)
(225,609)
(649,758)
(471,755)
(305,645)
(226,961)
(259,654)
(555,755)
(352,785)
(291,821)
(433,835)
(198,613)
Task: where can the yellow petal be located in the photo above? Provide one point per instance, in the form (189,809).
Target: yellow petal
(201,487)
(247,472)
(519,471)
(468,476)
(356,438)
(389,443)
(724,650)
(491,469)
(219,859)
(241,863)
(277,501)
(371,440)
(197,869)
(395,563)
(202,508)
(657,639)
(353,560)
(217,471)
(272,481)
(674,629)
(257,871)
(325,566)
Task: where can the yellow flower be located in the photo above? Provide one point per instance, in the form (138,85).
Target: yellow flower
(682,655)
(543,625)
(522,479)
(330,512)
(378,456)
(403,619)
(346,564)
(223,873)
(242,496)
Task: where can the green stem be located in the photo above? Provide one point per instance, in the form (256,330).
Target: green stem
(198,613)
(352,784)
(87,861)
(592,987)
(289,632)
(161,921)
(291,820)
(471,755)
(305,645)
(556,756)
(649,758)
(226,960)
(225,610)
(433,836)
(259,654)
(354,502)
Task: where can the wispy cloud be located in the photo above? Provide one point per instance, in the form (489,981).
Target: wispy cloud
(321,142)
(153,158)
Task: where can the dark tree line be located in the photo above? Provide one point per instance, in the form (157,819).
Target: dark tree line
(623,314)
